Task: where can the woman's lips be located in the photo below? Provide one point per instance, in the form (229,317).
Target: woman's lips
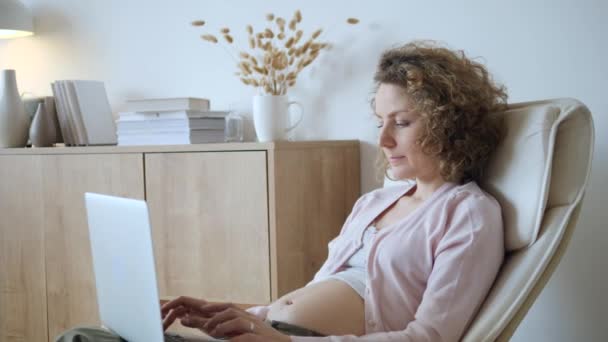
(395,159)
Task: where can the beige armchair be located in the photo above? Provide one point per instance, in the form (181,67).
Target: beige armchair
(538,174)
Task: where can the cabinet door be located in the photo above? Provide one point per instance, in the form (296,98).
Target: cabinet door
(209,214)
(72,299)
(23,306)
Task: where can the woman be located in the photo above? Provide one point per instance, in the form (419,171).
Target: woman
(412,262)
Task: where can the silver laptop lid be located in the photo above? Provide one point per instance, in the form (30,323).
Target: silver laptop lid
(123,262)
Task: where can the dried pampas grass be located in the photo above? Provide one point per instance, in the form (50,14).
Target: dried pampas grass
(209,38)
(276,56)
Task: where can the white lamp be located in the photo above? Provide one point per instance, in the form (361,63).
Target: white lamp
(15,20)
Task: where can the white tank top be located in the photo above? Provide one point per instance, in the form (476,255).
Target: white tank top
(355,273)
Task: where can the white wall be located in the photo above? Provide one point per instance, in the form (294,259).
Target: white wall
(539,49)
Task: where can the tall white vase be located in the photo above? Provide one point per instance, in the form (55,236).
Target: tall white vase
(14,122)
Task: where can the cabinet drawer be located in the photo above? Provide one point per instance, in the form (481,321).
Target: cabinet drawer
(209,215)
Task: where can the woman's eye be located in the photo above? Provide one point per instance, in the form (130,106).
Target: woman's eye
(402,123)
(379,125)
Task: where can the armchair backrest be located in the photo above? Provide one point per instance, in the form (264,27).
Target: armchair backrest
(538,174)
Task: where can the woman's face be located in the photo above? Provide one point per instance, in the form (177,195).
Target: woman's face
(399,128)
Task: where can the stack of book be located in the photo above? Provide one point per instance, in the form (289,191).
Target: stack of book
(170,121)
(84,113)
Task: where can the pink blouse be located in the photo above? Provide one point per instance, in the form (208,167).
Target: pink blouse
(428,273)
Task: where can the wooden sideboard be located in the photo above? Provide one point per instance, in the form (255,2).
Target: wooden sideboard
(244,222)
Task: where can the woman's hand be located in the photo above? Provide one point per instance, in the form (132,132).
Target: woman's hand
(187,310)
(230,320)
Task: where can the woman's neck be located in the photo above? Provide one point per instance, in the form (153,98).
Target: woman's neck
(425,188)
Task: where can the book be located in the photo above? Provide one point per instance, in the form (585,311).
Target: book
(62,114)
(167,115)
(75,114)
(172,138)
(76,136)
(92,104)
(84,113)
(167,104)
(155,125)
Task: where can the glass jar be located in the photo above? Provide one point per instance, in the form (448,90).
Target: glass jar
(234,127)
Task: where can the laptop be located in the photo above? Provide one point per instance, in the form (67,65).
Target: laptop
(125,274)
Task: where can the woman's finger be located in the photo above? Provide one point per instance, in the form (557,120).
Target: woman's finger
(163,314)
(172,316)
(223,316)
(235,326)
(193,321)
(193,303)
(212,308)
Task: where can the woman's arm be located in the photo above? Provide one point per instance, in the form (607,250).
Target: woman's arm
(466,262)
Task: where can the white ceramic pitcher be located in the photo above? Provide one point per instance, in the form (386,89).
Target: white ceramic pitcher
(271,116)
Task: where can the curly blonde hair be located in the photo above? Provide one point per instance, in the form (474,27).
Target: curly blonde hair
(454,97)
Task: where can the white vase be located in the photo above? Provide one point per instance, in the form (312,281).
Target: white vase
(271,117)
(43,132)
(14,122)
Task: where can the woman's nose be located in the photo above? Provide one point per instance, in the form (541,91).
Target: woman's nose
(386,139)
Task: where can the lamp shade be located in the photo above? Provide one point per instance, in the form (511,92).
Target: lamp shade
(15,20)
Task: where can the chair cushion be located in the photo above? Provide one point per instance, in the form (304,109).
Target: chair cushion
(518,174)
(531,168)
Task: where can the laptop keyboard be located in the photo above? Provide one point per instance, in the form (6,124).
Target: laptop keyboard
(174,338)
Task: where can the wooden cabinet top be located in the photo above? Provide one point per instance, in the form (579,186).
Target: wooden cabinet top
(244,146)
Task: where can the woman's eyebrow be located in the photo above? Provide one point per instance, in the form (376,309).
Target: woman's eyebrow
(394,113)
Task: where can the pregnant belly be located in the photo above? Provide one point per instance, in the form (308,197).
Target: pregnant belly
(330,307)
